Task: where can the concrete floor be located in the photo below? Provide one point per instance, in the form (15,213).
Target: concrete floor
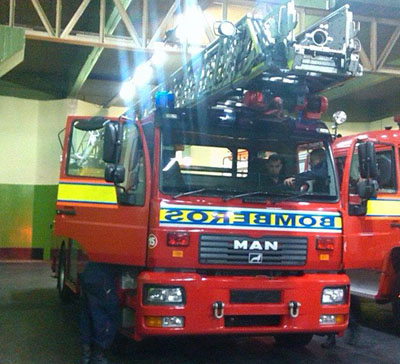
(36,328)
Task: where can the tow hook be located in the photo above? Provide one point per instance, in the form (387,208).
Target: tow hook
(218,309)
(294,308)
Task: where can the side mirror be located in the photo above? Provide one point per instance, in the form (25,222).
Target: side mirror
(111,142)
(367,189)
(114,173)
(367,160)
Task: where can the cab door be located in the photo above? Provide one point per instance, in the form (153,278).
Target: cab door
(368,238)
(109,222)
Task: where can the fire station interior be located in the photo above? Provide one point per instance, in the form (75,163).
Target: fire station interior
(94,58)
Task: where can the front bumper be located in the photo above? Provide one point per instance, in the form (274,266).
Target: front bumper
(275,317)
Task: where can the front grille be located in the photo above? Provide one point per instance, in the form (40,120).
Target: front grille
(219,249)
(252,320)
(254,296)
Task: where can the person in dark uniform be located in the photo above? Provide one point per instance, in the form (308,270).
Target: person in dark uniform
(318,173)
(274,169)
(354,319)
(99,311)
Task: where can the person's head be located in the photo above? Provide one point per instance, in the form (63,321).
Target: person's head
(317,156)
(274,165)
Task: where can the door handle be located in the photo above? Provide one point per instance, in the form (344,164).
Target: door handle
(395,224)
(70,212)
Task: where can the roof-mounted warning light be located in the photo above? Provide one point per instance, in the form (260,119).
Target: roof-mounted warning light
(164,100)
(254,100)
(315,107)
(257,100)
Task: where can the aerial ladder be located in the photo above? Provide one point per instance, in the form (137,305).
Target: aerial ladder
(264,55)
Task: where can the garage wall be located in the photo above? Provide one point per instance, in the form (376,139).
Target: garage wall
(29,171)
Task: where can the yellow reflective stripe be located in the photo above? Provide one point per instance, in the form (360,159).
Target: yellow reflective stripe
(89,193)
(383,207)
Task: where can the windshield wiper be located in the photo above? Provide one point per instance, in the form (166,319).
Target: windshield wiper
(200,190)
(247,194)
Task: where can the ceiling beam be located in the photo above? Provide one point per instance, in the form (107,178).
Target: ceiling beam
(94,56)
(75,18)
(58,17)
(92,40)
(163,25)
(102,22)
(43,17)
(388,48)
(11,17)
(12,48)
(127,21)
(145,22)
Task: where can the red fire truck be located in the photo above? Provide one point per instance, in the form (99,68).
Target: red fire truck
(178,196)
(371,215)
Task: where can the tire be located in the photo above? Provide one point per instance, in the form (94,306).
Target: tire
(65,294)
(396,302)
(293,340)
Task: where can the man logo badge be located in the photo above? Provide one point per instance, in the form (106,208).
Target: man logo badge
(255,258)
(255,245)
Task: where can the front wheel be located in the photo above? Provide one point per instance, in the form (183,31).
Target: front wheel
(64,292)
(293,340)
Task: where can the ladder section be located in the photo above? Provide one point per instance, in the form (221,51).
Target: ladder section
(264,56)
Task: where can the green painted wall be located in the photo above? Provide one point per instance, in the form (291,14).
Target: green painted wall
(16,212)
(44,203)
(30,167)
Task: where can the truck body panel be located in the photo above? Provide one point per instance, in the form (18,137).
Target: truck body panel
(372,239)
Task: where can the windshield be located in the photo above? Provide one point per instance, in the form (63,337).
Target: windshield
(259,166)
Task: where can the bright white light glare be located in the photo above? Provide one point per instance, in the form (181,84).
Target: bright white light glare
(194,49)
(159,58)
(127,91)
(339,117)
(190,25)
(227,29)
(143,74)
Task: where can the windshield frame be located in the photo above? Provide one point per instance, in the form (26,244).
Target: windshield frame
(293,195)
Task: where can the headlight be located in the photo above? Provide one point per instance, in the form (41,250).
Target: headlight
(163,295)
(333,295)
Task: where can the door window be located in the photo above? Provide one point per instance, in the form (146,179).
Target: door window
(85,157)
(386,171)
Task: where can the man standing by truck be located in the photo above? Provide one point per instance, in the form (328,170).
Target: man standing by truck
(99,311)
